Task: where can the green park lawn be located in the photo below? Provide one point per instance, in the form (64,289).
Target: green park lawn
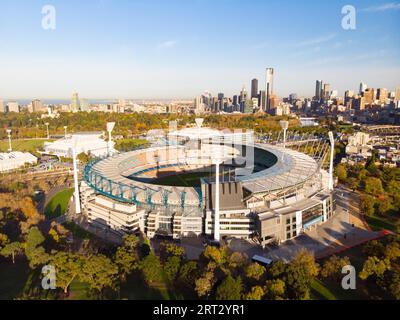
(320,292)
(377,222)
(23,145)
(58,204)
(182,180)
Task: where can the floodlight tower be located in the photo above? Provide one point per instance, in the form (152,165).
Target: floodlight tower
(65,132)
(47,129)
(76,183)
(110,128)
(284,126)
(332,141)
(216,205)
(9,140)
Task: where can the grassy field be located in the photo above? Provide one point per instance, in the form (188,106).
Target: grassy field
(182,180)
(378,223)
(58,204)
(22,145)
(320,292)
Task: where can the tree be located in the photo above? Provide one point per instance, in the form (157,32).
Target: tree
(33,239)
(99,272)
(341,172)
(171,268)
(3,240)
(385,205)
(332,268)
(168,249)
(373,186)
(188,274)
(11,250)
(256,293)
(300,273)
(392,251)
(204,284)
(367,205)
(393,187)
(83,158)
(374,248)
(230,289)
(237,260)
(37,257)
(394,287)
(126,261)
(277,269)
(151,268)
(374,267)
(275,289)
(255,271)
(131,242)
(68,266)
(218,255)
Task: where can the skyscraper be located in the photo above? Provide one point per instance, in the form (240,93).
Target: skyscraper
(397,94)
(37,105)
(363,87)
(254,88)
(2,106)
(326,90)
(318,90)
(269,88)
(75,105)
(13,106)
(382,95)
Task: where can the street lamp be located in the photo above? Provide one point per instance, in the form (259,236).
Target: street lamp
(110,128)
(9,140)
(47,128)
(284,126)
(65,132)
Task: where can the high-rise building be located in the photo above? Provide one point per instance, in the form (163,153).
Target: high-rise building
(37,106)
(262,102)
(254,88)
(13,106)
(269,88)
(318,90)
(369,96)
(326,91)
(198,105)
(243,94)
(363,87)
(75,105)
(235,100)
(382,95)
(2,110)
(397,94)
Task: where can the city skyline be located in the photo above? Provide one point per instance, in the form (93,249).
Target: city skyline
(166,53)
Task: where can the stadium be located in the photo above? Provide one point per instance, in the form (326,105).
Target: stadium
(204,182)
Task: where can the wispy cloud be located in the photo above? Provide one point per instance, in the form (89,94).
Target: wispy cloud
(316,41)
(383,7)
(168,44)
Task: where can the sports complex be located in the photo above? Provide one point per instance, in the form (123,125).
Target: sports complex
(200,181)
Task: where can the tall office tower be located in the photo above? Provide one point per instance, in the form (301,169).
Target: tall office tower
(262,102)
(220,104)
(363,87)
(37,106)
(198,105)
(397,94)
(326,90)
(318,90)
(382,95)
(254,88)
(235,100)
(75,105)
(369,95)
(2,110)
(243,94)
(13,106)
(269,88)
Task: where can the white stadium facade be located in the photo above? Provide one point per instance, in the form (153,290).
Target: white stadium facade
(213,183)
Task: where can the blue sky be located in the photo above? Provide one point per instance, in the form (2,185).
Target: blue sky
(180,48)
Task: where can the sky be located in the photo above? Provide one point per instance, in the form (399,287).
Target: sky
(142,49)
